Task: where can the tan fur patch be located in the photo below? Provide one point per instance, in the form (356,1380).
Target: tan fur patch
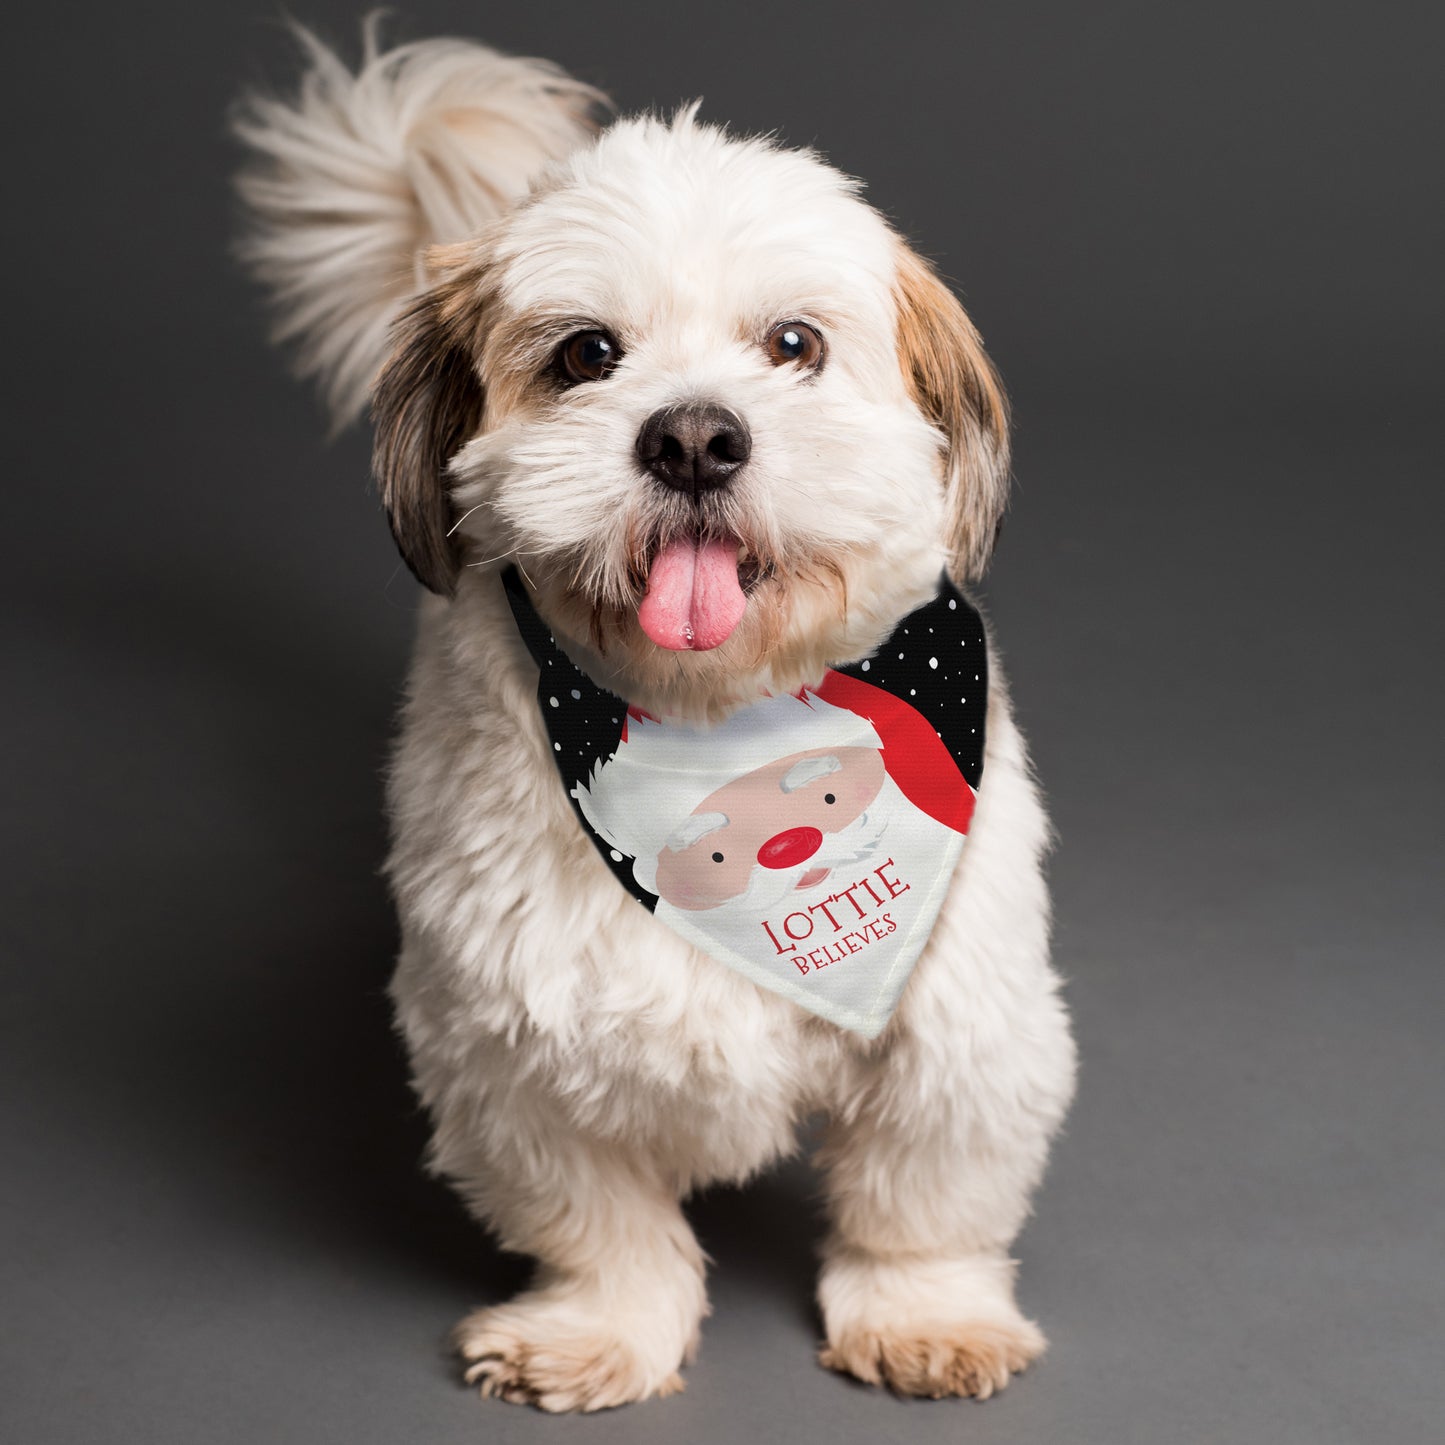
(956,387)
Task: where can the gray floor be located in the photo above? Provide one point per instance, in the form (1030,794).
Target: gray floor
(1219,598)
(214,1224)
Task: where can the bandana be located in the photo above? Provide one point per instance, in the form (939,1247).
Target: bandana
(807,841)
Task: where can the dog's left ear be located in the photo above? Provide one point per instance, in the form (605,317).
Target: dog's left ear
(426,404)
(955,386)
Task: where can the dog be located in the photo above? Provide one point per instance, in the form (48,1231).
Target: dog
(523,286)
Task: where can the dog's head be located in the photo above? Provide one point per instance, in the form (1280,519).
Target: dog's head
(727,423)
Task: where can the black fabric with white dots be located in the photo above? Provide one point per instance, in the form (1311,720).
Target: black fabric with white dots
(935,660)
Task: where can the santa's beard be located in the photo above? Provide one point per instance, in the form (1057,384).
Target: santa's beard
(891,827)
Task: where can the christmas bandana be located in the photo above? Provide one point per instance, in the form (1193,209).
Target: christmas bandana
(806,841)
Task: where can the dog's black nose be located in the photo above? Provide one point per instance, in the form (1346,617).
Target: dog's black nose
(693,448)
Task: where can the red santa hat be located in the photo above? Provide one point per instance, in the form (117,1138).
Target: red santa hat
(914,754)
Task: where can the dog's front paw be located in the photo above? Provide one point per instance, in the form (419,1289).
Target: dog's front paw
(971,1357)
(560,1354)
(925,1326)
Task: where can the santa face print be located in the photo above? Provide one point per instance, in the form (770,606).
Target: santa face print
(774,830)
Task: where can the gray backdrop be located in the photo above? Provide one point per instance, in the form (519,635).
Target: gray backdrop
(1204,246)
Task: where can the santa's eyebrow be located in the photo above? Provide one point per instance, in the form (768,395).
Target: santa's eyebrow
(808,771)
(691,829)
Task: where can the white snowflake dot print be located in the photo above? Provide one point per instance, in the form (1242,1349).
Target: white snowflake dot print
(933,663)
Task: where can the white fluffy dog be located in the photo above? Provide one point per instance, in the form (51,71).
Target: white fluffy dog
(520,289)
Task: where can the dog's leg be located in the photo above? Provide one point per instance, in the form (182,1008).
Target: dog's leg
(615,1308)
(934,1150)
(930,1167)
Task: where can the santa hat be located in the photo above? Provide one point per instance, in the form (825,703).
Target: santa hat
(662,771)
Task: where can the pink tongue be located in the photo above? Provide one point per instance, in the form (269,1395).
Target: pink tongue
(693,600)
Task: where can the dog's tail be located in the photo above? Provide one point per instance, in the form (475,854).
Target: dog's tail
(349,180)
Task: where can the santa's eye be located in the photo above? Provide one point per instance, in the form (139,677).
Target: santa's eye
(795,342)
(829,798)
(587,356)
(717,857)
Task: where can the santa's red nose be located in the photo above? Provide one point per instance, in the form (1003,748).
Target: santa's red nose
(787,850)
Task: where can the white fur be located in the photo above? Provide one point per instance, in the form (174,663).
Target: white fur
(584,1067)
(690,273)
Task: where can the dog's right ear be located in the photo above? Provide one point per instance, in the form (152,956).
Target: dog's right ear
(426,404)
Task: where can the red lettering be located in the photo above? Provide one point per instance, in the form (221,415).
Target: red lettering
(893,886)
(791,948)
(813,908)
(802,964)
(787,925)
(848,894)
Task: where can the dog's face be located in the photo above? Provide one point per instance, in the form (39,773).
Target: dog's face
(728,425)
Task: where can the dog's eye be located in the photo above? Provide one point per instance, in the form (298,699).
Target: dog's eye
(795,342)
(717,857)
(588,356)
(829,798)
